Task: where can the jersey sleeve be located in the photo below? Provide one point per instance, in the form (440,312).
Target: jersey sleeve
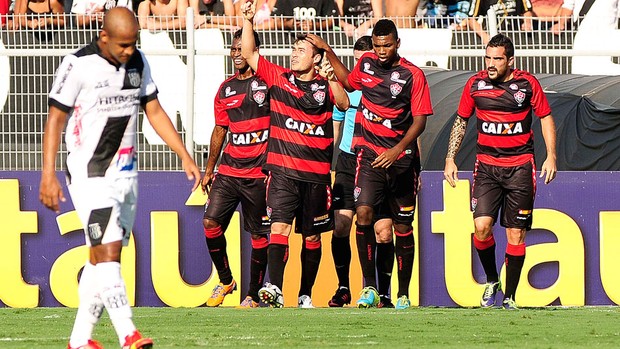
(421,96)
(268,71)
(148,89)
(219,110)
(67,84)
(539,101)
(354,78)
(466,104)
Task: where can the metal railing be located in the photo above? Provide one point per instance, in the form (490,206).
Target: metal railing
(29,57)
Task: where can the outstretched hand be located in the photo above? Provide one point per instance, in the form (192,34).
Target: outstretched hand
(326,70)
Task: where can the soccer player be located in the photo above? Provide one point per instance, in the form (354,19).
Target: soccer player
(505,173)
(299,154)
(101,87)
(241,109)
(392,114)
(344,207)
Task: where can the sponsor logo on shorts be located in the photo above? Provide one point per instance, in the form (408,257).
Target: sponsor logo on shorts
(525,211)
(321,222)
(321,218)
(269,211)
(94,231)
(407,208)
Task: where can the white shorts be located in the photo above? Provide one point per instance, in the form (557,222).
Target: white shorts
(106,207)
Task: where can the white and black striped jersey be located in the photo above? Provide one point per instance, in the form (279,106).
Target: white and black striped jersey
(103,101)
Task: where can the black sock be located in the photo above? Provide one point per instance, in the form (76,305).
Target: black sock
(385,263)
(366,245)
(514,265)
(277,257)
(310,260)
(258,266)
(405,250)
(216,243)
(341,251)
(487,259)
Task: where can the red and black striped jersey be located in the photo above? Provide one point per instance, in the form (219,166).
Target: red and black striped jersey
(242,106)
(504,114)
(301,135)
(391,98)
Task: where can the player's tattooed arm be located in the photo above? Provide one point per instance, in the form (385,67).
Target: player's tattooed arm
(456,136)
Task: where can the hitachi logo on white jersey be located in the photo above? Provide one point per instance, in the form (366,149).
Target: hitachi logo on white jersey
(250,138)
(305,128)
(501,128)
(372,117)
(130,99)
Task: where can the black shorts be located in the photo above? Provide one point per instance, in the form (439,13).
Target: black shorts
(344,184)
(510,188)
(308,203)
(391,192)
(226,194)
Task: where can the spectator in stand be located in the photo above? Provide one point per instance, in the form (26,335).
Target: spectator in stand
(162,14)
(89,13)
(215,14)
(503,8)
(443,13)
(402,12)
(38,14)
(300,15)
(359,15)
(554,15)
(4,11)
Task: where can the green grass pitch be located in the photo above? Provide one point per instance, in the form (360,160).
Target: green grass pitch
(423,327)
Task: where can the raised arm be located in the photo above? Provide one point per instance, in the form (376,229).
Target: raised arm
(341,72)
(341,99)
(549,168)
(248,46)
(457,134)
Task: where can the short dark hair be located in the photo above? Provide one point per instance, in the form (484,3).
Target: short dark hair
(304,37)
(385,27)
(363,44)
(501,40)
(237,35)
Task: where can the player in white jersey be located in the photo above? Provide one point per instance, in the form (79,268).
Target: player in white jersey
(101,88)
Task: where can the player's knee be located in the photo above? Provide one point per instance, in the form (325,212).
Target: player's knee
(209,223)
(364,215)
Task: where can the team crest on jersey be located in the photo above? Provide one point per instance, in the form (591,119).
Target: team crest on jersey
(367,69)
(134,78)
(94,231)
(259,97)
(482,85)
(395,89)
(229,92)
(513,87)
(519,97)
(319,96)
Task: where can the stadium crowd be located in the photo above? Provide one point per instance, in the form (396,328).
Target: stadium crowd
(354,17)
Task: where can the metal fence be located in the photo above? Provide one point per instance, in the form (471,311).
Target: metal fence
(29,57)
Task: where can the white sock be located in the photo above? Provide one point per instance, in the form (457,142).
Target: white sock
(89,310)
(114,296)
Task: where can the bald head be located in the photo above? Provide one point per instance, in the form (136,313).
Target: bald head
(120,21)
(119,35)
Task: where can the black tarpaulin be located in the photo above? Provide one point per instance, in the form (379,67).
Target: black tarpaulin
(586,110)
